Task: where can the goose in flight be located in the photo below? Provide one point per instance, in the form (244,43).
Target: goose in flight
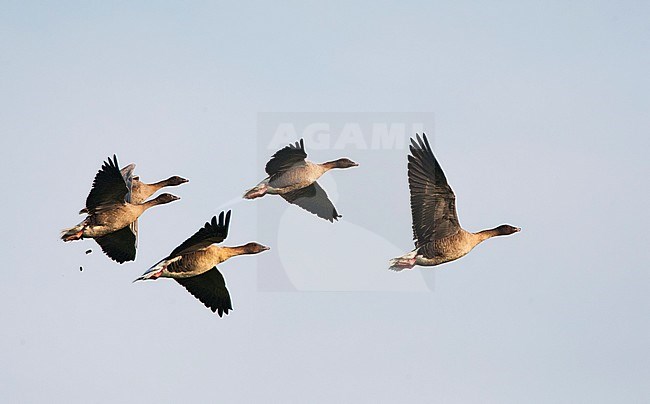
(193,264)
(436,231)
(139,191)
(294,178)
(110,215)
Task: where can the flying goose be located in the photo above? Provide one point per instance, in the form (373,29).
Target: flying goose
(193,264)
(436,231)
(140,191)
(294,178)
(109,215)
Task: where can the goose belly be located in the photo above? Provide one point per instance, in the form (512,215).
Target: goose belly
(110,221)
(442,252)
(437,260)
(292,180)
(193,264)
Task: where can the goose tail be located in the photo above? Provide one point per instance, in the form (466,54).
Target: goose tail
(406,261)
(73,233)
(156,271)
(257,192)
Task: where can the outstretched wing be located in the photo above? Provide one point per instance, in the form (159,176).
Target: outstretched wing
(286,158)
(109,187)
(119,245)
(210,288)
(433,203)
(313,199)
(212,232)
(127,174)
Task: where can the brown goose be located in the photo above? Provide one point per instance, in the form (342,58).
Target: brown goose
(436,231)
(110,215)
(294,178)
(140,191)
(193,264)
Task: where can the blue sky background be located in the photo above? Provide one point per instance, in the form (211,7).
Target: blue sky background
(541,121)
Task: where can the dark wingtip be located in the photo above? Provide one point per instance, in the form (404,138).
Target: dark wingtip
(420,144)
(220,311)
(426,142)
(415,143)
(227,225)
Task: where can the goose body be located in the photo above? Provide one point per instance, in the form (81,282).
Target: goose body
(295,179)
(197,262)
(438,236)
(110,219)
(193,264)
(110,216)
(298,177)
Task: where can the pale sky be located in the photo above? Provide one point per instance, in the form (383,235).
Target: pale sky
(537,112)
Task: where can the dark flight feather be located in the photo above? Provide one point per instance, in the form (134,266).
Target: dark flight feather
(213,232)
(286,158)
(313,199)
(120,245)
(433,203)
(209,288)
(109,187)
